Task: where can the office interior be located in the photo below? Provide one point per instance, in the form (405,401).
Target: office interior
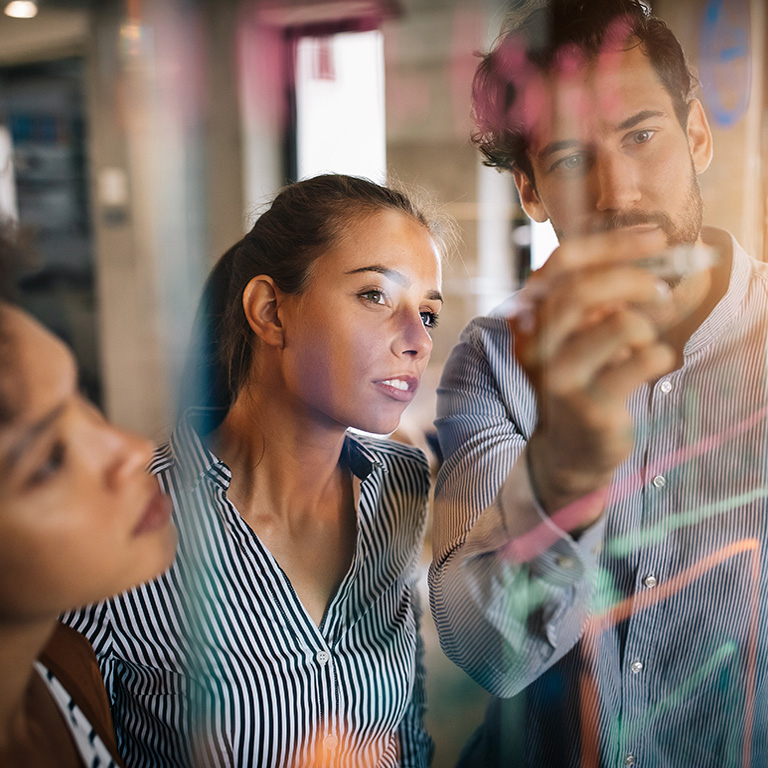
(140,138)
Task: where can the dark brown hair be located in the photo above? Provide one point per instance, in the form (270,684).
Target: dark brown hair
(538,42)
(303,222)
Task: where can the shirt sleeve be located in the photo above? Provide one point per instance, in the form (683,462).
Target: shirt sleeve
(509,588)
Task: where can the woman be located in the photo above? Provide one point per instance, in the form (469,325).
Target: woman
(80,520)
(287,632)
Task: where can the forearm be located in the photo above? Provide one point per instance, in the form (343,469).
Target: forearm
(511,597)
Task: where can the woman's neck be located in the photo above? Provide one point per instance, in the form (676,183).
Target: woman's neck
(286,459)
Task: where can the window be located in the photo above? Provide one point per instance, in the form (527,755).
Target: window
(339,105)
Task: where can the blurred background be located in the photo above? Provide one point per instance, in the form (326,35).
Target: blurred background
(140,138)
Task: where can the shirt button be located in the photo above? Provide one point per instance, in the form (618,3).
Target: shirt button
(636,666)
(322,657)
(665,386)
(565,562)
(650,581)
(659,481)
(629,759)
(330,741)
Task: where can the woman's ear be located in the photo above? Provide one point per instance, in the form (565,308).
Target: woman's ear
(261,298)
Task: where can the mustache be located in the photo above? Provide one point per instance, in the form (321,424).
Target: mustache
(636,218)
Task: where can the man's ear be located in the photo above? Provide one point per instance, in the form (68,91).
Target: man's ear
(699,136)
(529,197)
(261,299)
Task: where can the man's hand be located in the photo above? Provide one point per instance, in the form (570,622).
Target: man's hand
(585,336)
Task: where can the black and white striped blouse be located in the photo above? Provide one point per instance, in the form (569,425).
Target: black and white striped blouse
(218,662)
(645,641)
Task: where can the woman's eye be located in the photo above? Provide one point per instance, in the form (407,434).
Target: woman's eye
(375,297)
(429,319)
(51,466)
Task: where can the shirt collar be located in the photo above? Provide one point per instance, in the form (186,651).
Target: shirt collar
(727,310)
(195,460)
(358,457)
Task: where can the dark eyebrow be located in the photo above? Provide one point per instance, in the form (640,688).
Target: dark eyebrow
(557,146)
(395,277)
(30,435)
(631,122)
(392,274)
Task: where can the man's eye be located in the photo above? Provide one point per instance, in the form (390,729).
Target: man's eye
(570,163)
(429,319)
(641,137)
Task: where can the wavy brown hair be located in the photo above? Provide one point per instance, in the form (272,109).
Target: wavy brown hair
(536,45)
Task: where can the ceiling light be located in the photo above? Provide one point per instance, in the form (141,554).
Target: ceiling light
(21,9)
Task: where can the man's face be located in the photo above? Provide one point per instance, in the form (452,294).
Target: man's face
(608,152)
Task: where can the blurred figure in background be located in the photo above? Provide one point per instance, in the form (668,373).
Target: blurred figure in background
(80,520)
(287,634)
(600,521)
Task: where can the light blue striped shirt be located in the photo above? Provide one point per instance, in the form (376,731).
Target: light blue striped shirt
(645,642)
(219,657)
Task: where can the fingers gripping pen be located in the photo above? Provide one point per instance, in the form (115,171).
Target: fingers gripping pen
(669,265)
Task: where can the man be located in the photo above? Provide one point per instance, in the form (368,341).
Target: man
(600,519)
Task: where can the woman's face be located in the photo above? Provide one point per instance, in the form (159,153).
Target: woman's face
(357,339)
(80,519)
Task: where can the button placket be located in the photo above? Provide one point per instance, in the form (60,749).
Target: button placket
(331,741)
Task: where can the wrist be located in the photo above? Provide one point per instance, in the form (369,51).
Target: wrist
(574,495)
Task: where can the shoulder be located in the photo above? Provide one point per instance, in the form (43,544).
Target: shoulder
(68,652)
(760,273)
(70,657)
(399,460)
(387,450)
(491,329)
(485,345)
(394,495)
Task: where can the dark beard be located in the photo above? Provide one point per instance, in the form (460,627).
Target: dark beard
(684,231)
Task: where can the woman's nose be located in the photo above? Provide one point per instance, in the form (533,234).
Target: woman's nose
(130,456)
(413,339)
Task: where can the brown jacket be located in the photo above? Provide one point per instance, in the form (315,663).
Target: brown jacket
(71,659)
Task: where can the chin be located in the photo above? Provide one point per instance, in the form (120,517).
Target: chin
(376,426)
(376,430)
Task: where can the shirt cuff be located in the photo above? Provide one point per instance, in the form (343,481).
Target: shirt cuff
(535,537)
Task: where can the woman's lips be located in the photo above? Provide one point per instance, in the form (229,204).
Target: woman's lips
(402,388)
(157,514)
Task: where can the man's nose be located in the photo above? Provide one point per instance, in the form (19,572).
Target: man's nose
(616,183)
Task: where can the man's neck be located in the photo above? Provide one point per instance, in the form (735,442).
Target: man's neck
(701,293)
